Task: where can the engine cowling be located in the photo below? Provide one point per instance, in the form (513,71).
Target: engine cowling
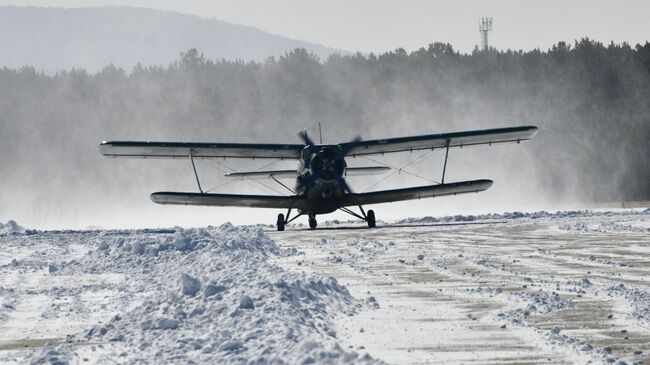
(327,163)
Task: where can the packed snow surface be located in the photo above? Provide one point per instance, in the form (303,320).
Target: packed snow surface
(558,288)
(534,288)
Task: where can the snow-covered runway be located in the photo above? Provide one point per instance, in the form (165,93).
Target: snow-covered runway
(546,288)
(568,287)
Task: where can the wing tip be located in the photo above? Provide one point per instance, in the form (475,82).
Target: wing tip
(154,197)
(481,184)
(103,146)
(488,183)
(532,129)
(167,197)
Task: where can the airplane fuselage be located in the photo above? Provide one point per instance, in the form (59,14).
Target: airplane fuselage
(321,178)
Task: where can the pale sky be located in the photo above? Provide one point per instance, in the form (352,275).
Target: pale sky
(377,26)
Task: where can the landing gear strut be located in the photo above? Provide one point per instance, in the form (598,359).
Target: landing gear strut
(368,217)
(312,221)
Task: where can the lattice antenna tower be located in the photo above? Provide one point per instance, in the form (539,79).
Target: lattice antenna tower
(484,26)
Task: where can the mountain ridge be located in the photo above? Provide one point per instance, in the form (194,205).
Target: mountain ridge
(52,39)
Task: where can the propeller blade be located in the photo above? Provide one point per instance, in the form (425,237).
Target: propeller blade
(347,147)
(344,185)
(305,138)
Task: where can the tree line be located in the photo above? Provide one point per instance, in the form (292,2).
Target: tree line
(590,100)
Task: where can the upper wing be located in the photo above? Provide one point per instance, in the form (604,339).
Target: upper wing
(199,150)
(418,192)
(292,151)
(456,139)
(229,200)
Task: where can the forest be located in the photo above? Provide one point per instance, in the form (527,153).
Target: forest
(590,100)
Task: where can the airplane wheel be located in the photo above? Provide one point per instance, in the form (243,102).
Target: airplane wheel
(312,222)
(280,222)
(371,218)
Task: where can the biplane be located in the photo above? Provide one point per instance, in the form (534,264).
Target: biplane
(320,185)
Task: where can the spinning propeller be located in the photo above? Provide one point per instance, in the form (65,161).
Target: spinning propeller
(328,162)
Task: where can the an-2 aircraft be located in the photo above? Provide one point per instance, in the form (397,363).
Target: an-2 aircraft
(320,177)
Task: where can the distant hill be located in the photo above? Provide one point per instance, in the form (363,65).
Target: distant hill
(52,39)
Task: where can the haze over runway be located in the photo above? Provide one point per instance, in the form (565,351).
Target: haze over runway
(88,89)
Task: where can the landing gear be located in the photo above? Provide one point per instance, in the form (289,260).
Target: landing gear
(370,218)
(280,222)
(312,221)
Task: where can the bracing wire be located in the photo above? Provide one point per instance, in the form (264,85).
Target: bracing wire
(267,165)
(221,170)
(399,170)
(222,167)
(381,181)
(247,181)
(220,186)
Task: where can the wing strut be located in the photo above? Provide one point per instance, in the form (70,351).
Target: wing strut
(444,168)
(279,182)
(195,173)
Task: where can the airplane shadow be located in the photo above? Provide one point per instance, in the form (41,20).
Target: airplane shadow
(379,227)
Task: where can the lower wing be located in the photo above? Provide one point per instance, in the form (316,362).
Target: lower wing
(418,192)
(229,200)
(299,202)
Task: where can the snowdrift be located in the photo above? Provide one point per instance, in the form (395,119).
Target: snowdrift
(11,227)
(186,296)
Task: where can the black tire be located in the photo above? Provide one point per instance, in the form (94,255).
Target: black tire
(280,222)
(312,222)
(371,218)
